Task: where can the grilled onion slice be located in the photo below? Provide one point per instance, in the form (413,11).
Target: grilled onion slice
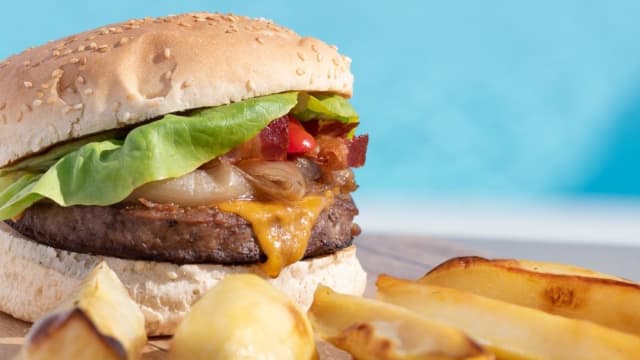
(218,183)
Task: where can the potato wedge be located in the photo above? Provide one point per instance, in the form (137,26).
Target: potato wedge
(99,321)
(243,317)
(510,331)
(370,329)
(555,288)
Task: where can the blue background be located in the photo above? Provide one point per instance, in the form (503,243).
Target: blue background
(532,100)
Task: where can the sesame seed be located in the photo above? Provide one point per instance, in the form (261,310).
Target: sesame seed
(123,41)
(44,85)
(185,84)
(80,80)
(103,48)
(27,63)
(300,56)
(91,37)
(56,73)
(93,45)
(28,84)
(51,100)
(259,40)
(314,48)
(74,60)
(335,61)
(67,52)
(172,275)
(250,86)
(81,48)
(37,102)
(112,29)
(39,94)
(300,71)
(126,116)
(67,109)
(184,24)
(167,52)
(56,53)
(78,106)
(200,19)
(88,91)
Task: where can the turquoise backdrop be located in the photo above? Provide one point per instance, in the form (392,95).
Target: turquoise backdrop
(499,99)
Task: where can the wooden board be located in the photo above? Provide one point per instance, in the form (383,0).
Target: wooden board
(402,256)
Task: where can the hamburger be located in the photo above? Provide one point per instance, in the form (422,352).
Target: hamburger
(177,149)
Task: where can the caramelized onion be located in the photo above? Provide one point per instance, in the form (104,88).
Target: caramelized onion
(343,179)
(217,183)
(309,169)
(277,180)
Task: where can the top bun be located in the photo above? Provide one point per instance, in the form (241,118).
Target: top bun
(133,71)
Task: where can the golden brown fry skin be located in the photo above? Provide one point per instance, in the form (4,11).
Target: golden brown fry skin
(370,329)
(508,330)
(555,288)
(99,321)
(50,339)
(244,317)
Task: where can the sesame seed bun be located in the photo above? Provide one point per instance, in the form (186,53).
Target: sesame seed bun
(35,278)
(133,71)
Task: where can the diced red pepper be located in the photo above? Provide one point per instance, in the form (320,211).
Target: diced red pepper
(300,141)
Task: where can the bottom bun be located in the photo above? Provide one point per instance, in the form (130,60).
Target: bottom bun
(36,278)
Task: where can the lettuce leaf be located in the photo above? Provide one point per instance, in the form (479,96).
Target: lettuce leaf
(44,161)
(325,106)
(106,172)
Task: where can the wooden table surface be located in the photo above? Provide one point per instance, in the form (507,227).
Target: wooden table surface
(402,256)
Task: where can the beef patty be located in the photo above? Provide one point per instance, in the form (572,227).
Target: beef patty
(172,233)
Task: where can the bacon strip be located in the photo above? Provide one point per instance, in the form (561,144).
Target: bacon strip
(274,139)
(357,148)
(270,144)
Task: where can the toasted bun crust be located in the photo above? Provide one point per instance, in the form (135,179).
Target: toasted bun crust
(129,72)
(36,278)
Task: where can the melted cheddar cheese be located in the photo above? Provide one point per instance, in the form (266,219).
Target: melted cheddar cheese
(282,229)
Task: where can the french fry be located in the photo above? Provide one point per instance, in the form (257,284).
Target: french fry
(243,317)
(508,330)
(555,288)
(370,329)
(99,321)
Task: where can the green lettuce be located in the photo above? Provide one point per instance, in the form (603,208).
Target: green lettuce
(327,107)
(104,169)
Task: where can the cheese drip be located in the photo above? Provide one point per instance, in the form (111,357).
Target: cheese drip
(282,229)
